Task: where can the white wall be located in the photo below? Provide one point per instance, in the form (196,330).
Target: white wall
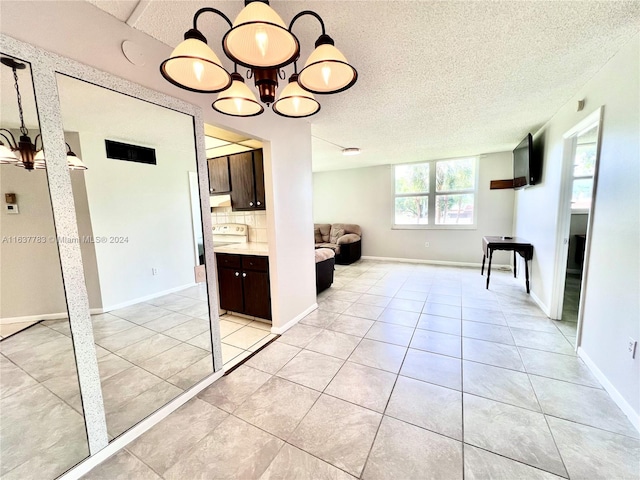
(364,196)
(149,205)
(31,279)
(288,181)
(611,309)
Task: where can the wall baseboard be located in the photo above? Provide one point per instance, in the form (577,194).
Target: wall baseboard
(128,303)
(545,309)
(435,262)
(93,311)
(292,322)
(34,318)
(137,430)
(632,415)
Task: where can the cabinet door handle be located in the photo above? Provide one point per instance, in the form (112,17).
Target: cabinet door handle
(251,204)
(237,274)
(258,203)
(244,275)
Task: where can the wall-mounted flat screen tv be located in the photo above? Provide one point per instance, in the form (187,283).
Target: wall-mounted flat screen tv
(524,164)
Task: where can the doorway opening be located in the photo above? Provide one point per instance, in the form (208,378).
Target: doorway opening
(577,202)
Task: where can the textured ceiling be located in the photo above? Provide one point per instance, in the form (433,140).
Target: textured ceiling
(437,79)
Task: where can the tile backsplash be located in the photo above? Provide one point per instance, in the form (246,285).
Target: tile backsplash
(256,220)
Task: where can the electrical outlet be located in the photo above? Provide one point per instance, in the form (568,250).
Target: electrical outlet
(631,347)
(154,271)
(426,244)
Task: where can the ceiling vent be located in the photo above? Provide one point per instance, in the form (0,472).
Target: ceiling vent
(130,153)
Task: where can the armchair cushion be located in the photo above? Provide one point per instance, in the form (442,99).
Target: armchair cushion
(324,228)
(336,233)
(348,238)
(317,235)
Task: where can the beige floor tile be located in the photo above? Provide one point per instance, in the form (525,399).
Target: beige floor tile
(335,344)
(338,432)
(311,369)
(480,465)
(436,342)
(390,333)
(512,432)
(429,406)
(121,465)
(405,451)
(294,464)
(273,357)
(234,449)
(364,386)
(351,325)
(245,337)
(147,348)
(163,445)
(277,406)
(229,352)
(232,390)
(592,453)
(501,384)
(433,368)
(383,356)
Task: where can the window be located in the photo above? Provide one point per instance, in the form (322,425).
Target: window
(436,194)
(584,163)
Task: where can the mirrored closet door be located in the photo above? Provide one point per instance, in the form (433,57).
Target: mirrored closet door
(138,213)
(42,426)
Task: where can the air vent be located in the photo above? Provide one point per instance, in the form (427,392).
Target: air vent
(130,153)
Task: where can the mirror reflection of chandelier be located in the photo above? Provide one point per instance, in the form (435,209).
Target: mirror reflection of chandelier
(24,153)
(258,39)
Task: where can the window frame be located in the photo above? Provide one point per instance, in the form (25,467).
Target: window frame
(432,195)
(581,210)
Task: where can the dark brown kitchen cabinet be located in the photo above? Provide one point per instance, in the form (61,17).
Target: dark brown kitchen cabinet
(219,177)
(230,284)
(247,179)
(243,283)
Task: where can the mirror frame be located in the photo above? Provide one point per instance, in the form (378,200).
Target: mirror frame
(44,67)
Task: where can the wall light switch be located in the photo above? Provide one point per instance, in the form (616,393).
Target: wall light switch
(12,209)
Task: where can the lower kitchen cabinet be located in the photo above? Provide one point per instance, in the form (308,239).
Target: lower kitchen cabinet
(243,282)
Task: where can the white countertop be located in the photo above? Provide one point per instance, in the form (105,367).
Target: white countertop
(250,248)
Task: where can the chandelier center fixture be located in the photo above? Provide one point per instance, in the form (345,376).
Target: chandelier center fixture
(259,40)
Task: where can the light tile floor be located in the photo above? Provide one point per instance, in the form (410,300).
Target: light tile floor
(457,381)
(147,354)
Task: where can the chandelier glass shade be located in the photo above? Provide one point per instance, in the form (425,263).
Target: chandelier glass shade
(327,70)
(7,155)
(194,66)
(238,100)
(295,102)
(73,161)
(259,40)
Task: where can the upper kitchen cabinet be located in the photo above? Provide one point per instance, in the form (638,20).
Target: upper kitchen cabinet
(247,180)
(219,179)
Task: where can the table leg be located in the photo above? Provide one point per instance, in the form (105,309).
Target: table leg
(489,267)
(515,262)
(483,259)
(526,274)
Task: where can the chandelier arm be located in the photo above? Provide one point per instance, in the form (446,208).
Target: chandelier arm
(212,10)
(307,12)
(12,141)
